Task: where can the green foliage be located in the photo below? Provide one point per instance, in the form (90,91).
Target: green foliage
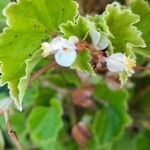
(143,25)
(54,102)
(36,21)
(121,22)
(3,4)
(71,77)
(133,141)
(43,96)
(1,141)
(109,121)
(82,62)
(79,28)
(123,77)
(44,123)
(100,24)
(142,141)
(127,141)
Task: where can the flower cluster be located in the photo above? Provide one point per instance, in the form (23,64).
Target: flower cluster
(65,51)
(117,62)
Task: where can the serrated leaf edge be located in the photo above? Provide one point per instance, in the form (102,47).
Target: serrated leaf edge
(125,9)
(127,124)
(85,71)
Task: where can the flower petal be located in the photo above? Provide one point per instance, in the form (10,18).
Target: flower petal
(73,39)
(47,49)
(67,44)
(116,62)
(95,36)
(103,42)
(57,43)
(65,58)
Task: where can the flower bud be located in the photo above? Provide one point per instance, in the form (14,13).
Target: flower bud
(99,40)
(112,81)
(81,134)
(83,97)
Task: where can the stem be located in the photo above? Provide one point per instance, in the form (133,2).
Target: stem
(11,132)
(81,9)
(141,68)
(43,70)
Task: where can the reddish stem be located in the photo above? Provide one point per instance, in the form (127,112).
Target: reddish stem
(84,45)
(11,132)
(43,70)
(141,68)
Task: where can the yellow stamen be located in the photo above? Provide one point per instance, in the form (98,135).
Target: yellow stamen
(130,63)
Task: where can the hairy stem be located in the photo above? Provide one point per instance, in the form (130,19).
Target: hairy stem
(141,68)
(11,132)
(43,70)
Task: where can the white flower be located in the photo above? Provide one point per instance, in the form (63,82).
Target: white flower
(99,40)
(64,50)
(119,63)
(65,58)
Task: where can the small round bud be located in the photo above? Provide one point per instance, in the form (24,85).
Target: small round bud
(82,97)
(81,134)
(112,81)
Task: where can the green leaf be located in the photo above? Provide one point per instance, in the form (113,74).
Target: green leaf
(121,23)
(141,106)
(82,62)
(30,22)
(52,145)
(111,120)
(123,77)
(142,141)
(100,24)
(71,77)
(2,143)
(3,4)
(44,123)
(30,95)
(138,141)
(43,96)
(56,79)
(127,141)
(79,28)
(143,25)
(18,123)
(23,84)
